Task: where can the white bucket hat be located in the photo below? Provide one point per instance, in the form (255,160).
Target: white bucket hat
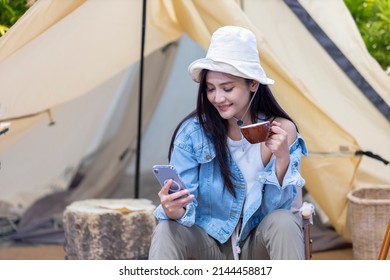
(232,50)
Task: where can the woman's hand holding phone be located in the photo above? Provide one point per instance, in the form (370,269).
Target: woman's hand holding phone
(174,204)
(174,195)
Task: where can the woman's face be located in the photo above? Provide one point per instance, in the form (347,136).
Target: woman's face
(229,94)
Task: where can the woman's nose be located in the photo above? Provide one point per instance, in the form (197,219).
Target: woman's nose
(219,96)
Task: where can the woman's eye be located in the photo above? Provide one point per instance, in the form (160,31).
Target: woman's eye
(209,89)
(228,89)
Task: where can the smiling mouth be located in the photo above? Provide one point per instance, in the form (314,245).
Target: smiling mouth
(224,107)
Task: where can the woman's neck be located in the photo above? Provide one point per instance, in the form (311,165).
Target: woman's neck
(234,131)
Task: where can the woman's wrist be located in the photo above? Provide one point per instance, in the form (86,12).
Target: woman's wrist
(175,215)
(281,167)
(283,161)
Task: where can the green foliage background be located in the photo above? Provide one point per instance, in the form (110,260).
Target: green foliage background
(371,16)
(10,12)
(373,20)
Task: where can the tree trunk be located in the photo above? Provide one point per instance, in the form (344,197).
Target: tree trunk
(108,229)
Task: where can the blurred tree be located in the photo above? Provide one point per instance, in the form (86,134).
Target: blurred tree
(372,18)
(10,12)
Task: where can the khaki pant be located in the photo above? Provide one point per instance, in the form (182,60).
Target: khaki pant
(278,237)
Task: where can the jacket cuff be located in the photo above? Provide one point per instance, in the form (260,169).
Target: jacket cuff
(292,176)
(187,220)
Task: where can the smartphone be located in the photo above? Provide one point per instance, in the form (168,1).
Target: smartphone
(165,172)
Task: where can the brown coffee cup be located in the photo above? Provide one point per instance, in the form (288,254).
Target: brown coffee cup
(257,132)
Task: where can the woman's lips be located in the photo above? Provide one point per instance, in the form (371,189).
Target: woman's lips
(223,108)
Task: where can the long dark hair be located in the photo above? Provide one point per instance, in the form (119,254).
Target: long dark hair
(263,103)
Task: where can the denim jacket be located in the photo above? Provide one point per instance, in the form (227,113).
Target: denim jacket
(214,208)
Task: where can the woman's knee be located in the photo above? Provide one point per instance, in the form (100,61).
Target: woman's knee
(165,243)
(169,231)
(172,240)
(281,220)
(282,235)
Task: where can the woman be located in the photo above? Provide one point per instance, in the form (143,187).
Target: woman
(239,195)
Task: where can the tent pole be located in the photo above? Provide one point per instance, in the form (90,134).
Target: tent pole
(140,101)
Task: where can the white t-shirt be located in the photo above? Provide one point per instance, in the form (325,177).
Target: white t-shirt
(248,158)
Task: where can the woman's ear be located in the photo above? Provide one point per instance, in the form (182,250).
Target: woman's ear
(254,85)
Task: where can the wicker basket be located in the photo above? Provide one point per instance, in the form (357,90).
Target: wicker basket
(368,215)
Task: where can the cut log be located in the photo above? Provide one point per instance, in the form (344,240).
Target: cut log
(108,229)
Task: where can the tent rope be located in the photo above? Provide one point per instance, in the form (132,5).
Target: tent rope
(372,155)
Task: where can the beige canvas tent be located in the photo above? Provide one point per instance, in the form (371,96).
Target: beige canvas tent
(69,89)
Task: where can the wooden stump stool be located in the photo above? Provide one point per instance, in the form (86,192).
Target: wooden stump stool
(108,229)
